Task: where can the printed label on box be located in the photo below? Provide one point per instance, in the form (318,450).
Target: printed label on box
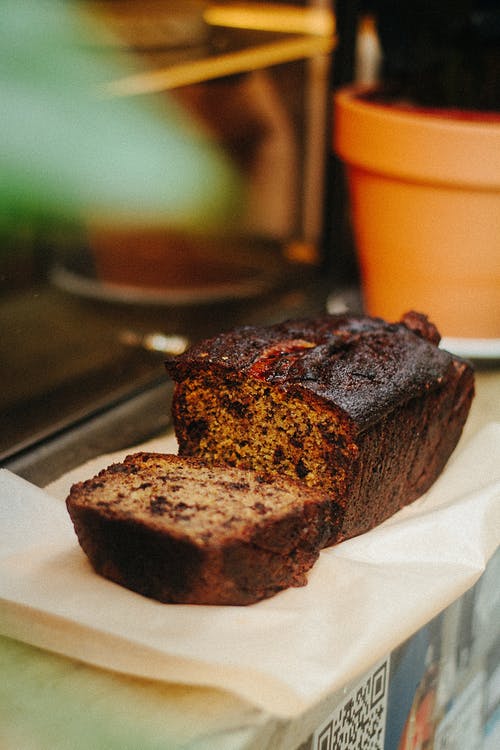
(359,720)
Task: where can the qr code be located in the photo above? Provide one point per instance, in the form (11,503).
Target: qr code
(358,723)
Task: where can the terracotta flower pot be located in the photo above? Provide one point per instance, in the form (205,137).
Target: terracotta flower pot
(425,206)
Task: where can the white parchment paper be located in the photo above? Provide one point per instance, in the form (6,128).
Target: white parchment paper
(364,596)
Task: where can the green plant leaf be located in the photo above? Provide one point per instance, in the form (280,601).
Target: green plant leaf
(67,151)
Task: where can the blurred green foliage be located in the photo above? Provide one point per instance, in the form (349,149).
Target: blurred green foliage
(69,153)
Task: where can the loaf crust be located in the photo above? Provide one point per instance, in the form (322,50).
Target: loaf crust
(365,410)
(176,530)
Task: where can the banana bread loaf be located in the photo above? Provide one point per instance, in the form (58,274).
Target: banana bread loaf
(367,411)
(176,530)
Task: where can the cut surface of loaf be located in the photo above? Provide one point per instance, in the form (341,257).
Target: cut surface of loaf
(177,530)
(365,410)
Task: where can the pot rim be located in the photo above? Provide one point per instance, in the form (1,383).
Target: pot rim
(416,144)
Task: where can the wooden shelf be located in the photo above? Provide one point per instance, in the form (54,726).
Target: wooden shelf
(239,39)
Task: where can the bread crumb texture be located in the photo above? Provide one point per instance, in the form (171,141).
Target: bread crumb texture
(177,530)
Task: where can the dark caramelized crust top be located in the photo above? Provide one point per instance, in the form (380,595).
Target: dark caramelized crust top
(364,366)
